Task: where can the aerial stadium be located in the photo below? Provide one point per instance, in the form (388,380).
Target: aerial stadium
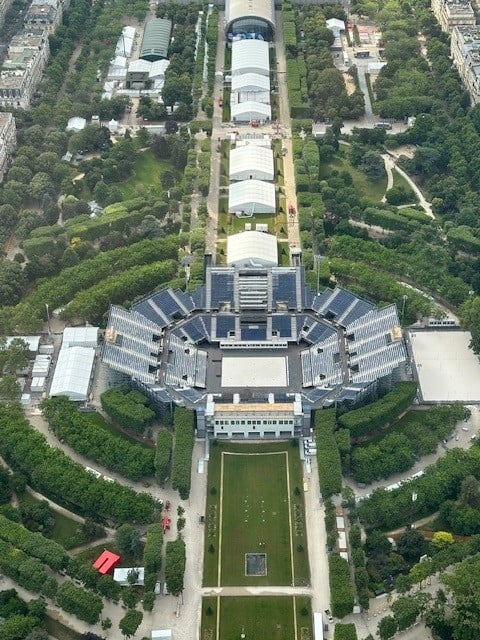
(255,349)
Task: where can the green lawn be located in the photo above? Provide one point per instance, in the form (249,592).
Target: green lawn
(263,617)
(399,181)
(372,190)
(64,527)
(245,514)
(59,631)
(146,176)
(229,224)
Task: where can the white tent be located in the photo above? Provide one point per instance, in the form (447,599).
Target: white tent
(125,42)
(250,56)
(335,26)
(162,634)
(247,111)
(80,337)
(76,124)
(251,162)
(121,575)
(72,373)
(252,248)
(250,82)
(251,196)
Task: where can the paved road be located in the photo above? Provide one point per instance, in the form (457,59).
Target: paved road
(284,121)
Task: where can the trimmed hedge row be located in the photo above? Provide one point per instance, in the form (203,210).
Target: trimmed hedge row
(34,544)
(341,590)
(53,473)
(89,438)
(328,456)
(345,632)
(83,604)
(127,408)
(360,571)
(175,565)
(163,456)
(380,413)
(26,571)
(182,453)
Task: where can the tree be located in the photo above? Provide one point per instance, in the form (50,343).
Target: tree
(442,539)
(127,538)
(464,586)
(372,165)
(406,610)
(470,493)
(387,627)
(411,544)
(130,622)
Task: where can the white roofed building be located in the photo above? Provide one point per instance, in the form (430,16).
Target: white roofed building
(80,337)
(250,56)
(250,82)
(73,373)
(251,162)
(252,18)
(248,111)
(252,249)
(121,575)
(249,197)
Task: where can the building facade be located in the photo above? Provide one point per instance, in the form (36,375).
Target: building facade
(26,58)
(453,13)
(8,141)
(465,49)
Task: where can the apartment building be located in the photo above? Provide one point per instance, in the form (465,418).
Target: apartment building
(8,141)
(44,13)
(452,13)
(26,58)
(465,49)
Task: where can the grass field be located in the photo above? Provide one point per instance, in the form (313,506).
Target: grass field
(255,505)
(64,527)
(269,618)
(372,190)
(146,176)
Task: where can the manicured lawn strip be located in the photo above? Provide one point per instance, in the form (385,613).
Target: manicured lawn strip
(254,514)
(212,514)
(260,617)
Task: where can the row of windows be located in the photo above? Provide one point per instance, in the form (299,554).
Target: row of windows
(244,422)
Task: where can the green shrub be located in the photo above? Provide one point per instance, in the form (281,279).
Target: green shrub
(378,414)
(328,457)
(182,453)
(163,456)
(341,591)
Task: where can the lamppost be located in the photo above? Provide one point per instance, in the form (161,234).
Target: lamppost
(48,321)
(404,299)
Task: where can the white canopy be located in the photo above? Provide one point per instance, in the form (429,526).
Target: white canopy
(250,82)
(252,248)
(72,373)
(247,111)
(80,337)
(251,162)
(251,196)
(250,56)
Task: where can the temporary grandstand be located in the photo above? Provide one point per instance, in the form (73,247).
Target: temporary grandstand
(251,162)
(255,343)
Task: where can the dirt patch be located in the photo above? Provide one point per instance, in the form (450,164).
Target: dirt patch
(349,83)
